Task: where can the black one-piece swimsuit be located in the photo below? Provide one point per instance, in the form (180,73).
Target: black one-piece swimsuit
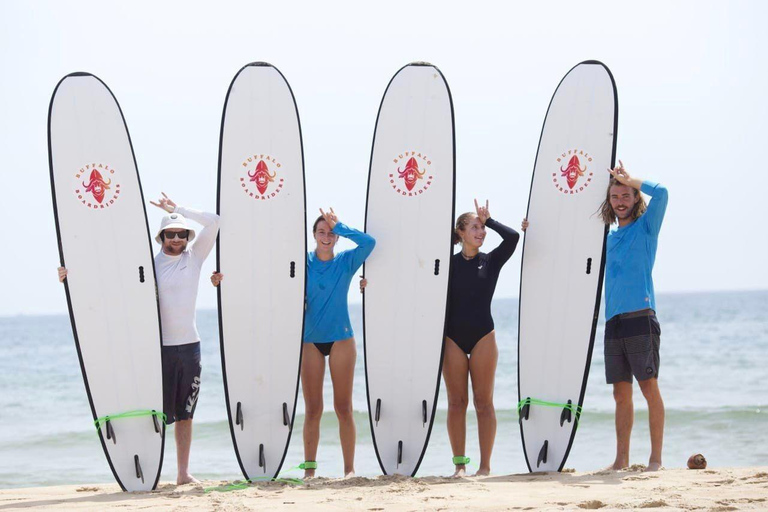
(472,285)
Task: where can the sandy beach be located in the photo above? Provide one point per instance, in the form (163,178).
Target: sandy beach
(672,489)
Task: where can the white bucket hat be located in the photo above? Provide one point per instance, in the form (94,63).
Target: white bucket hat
(174,221)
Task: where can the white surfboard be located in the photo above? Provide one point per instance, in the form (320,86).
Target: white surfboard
(410,214)
(563,261)
(262,253)
(105,244)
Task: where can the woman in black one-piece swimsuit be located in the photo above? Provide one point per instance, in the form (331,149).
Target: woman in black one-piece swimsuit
(470,345)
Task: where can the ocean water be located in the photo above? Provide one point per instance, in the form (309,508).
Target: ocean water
(714,380)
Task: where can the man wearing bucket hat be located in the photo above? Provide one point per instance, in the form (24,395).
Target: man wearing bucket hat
(177,272)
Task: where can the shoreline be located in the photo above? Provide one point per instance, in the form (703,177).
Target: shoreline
(722,489)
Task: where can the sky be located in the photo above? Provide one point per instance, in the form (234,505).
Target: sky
(691,80)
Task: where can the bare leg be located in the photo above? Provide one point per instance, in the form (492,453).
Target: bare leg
(342,365)
(482,367)
(456,374)
(625,417)
(650,389)
(312,374)
(183,433)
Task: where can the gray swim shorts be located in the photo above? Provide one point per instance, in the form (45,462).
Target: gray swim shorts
(632,343)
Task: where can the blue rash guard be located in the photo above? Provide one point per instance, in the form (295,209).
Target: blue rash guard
(630,255)
(327,316)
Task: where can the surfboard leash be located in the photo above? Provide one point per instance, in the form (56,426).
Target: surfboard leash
(98,422)
(244,484)
(523,409)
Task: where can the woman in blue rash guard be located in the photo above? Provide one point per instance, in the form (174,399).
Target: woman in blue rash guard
(328,332)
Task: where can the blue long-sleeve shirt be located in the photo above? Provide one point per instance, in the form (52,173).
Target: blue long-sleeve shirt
(327,316)
(630,255)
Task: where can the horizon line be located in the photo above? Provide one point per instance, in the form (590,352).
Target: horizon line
(64,312)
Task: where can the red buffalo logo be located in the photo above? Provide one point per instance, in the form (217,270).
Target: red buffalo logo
(97,186)
(411,173)
(573,171)
(261,177)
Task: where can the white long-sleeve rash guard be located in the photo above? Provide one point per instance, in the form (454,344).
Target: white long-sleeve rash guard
(178,278)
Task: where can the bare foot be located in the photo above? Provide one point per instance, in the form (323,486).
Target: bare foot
(653,466)
(350,474)
(461,471)
(309,473)
(483,472)
(618,465)
(186,479)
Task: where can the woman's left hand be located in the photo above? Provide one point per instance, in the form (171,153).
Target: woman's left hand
(482,212)
(330,218)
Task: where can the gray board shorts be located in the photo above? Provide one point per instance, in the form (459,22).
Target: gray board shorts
(632,343)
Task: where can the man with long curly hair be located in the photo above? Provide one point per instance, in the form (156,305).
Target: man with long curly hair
(632,332)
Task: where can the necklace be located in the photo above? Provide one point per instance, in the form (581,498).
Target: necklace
(467,257)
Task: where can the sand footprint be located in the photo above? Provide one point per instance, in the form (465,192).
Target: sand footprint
(592,504)
(654,504)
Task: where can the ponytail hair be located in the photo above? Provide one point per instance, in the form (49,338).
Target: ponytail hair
(461,225)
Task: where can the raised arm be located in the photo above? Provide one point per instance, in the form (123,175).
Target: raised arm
(365,244)
(509,239)
(206,238)
(654,214)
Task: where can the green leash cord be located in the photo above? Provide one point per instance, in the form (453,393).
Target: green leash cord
(574,408)
(244,484)
(309,464)
(99,422)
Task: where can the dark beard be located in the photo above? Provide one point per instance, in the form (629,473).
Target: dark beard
(172,251)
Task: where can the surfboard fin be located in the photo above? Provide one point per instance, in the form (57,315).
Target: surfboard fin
(239,416)
(155,421)
(139,472)
(566,414)
(111,432)
(262,461)
(424,412)
(286,417)
(543,454)
(399,453)
(378,411)
(525,410)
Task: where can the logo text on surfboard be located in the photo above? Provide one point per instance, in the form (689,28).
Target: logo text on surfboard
(96,187)
(260,180)
(572,177)
(412,177)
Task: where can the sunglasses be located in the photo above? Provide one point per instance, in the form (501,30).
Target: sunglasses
(170,235)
